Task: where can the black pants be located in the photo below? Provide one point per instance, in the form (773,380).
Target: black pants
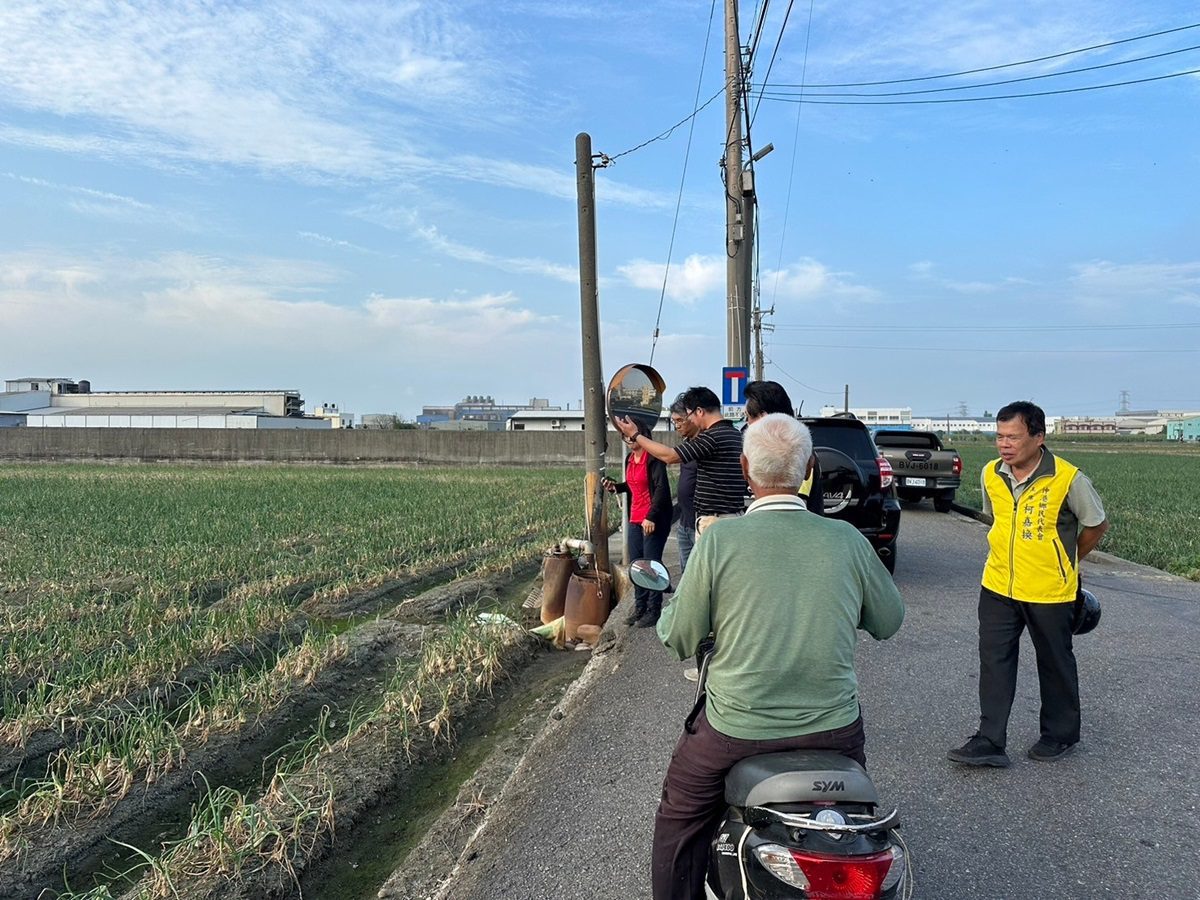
(693,798)
(646,546)
(1001,621)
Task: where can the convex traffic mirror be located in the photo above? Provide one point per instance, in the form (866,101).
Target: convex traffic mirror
(636,392)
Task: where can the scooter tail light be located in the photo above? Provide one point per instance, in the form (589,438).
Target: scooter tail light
(895,874)
(781,863)
(845,877)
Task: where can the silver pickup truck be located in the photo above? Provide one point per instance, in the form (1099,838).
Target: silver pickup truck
(922,466)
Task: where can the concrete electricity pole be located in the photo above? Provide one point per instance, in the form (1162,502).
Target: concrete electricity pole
(594,427)
(739,202)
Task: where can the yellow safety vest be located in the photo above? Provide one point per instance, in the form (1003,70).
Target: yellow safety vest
(1032,550)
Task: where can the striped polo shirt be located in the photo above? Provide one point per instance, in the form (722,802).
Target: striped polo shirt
(717,452)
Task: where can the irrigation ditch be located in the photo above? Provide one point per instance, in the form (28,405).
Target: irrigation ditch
(393,752)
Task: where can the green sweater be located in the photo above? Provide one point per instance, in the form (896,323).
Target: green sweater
(784,593)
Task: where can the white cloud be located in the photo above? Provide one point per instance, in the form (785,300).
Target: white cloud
(337,243)
(1106,284)
(523,265)
(220,307)
(705,276)
(696,277)
(808,280)
(309,90)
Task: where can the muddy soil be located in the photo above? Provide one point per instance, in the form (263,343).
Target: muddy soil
(371,769)
(78,853)
(385,801)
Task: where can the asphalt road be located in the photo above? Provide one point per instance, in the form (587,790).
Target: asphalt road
(1118,818)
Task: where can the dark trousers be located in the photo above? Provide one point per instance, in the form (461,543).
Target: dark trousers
(693,797)
(1001,621)
(646,546)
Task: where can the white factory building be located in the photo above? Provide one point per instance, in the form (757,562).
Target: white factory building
(66,403)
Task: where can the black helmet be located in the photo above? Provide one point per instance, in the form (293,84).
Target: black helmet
(1087,612)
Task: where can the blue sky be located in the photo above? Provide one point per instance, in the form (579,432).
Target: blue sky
(374,202)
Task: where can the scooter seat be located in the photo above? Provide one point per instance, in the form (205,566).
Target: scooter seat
(798,776)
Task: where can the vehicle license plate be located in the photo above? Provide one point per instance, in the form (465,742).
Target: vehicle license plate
(915,482)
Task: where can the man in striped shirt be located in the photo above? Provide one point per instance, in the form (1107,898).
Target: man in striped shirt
(716,449)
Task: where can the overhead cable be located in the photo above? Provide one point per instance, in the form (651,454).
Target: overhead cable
(988,329)
(666,134)
(774,53)
(944,349)
(983,84)
(682,178)
(808,98)
(1024,62)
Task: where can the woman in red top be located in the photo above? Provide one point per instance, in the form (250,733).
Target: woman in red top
(649,493)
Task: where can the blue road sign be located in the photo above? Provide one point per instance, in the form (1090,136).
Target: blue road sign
(733,385)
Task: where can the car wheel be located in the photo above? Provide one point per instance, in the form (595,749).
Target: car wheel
(943,502)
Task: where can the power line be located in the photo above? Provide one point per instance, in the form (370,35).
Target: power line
(989,329)
(801,383)
(787,205)
(1008,350)
(986,84)
(607,160)
(758,30)
(682,179)
(1025,62)
(774,53)
(1076,90)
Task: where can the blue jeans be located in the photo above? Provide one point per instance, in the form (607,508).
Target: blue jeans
(686,538)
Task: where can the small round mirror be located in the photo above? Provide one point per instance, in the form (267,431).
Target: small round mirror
(636,392)
(649,574)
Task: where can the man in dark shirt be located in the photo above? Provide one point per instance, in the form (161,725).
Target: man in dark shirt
(716,448)
(685,512)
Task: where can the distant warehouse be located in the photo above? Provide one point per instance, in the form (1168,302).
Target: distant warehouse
(65,403)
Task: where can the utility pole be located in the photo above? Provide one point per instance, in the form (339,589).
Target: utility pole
(595,432)
(846,402)
(739,204)
(758,351)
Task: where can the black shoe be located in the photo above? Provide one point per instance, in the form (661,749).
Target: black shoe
(979,751)
(1047,751)
(647,620)
(632,618)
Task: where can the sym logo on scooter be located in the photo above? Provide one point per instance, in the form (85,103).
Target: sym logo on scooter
(825,787)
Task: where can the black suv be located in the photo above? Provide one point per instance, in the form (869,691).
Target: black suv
(857,481)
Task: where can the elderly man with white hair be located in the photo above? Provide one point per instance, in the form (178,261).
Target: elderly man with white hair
(784,593)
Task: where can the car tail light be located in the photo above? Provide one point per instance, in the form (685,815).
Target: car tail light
(958,465)
(845,877)
(885,472)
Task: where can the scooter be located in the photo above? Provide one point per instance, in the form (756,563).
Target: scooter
(800,825)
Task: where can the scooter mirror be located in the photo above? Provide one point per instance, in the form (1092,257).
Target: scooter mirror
(636,392)
(649,574)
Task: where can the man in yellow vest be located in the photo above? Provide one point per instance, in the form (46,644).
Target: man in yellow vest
(1046,517)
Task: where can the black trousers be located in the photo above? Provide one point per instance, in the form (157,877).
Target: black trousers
(693,797)
(646,546)
(1001,622)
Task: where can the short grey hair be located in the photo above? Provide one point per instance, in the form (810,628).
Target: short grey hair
(777,449)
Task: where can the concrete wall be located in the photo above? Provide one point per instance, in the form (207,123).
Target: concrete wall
(499,448)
